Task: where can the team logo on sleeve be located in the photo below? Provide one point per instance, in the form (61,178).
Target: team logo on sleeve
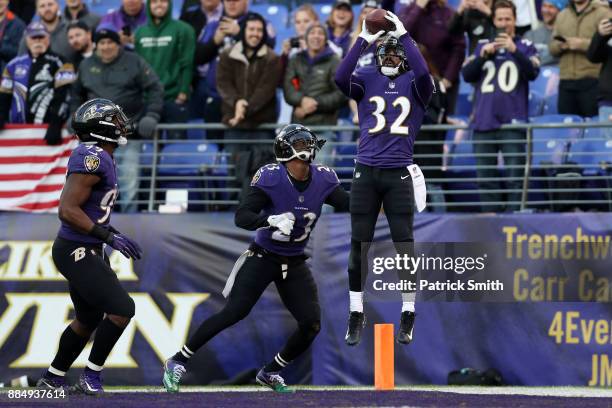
(256,177)
(92,162)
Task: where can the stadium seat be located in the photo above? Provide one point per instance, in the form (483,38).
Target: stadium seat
(196,134)
(593,153)
(536,103)
(551,145)
(546,83)
(187,159)
(323,10)
(464,104)
(102,7)
(550,104)
(146,155)
(275,14)
(345,160)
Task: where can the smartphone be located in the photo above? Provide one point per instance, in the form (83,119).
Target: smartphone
(127,30)
(295,42)
(559,38)
(499,31)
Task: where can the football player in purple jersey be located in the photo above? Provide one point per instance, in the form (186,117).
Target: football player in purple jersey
(86,203)
(501,69)
(283,205)
(392,98)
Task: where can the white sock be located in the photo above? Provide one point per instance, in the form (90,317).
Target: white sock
(356,299)
(93,366)
(408,302)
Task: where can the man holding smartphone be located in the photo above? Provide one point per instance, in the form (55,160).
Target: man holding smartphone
(571,38)
(124,21)
(501,69)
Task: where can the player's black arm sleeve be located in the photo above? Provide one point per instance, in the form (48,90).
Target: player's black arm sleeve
(472,70)
(339,199)
(526,66)
(248,214)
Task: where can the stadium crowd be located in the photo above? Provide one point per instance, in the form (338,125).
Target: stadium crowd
(220,62)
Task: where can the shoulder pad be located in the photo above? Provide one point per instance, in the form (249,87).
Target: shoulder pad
(327,173)
(88,159)
(267,176)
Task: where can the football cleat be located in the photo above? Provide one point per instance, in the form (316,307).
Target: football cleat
(173,372)
(404,336)
(273,381)
(51,382)
(89,383)
(356,323)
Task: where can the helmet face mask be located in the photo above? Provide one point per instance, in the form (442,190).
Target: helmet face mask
(101,120)
(296,142)
(391,57)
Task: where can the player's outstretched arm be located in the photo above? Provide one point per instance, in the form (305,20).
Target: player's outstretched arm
(422,77)
(344,78)
(339,199)
(75,193)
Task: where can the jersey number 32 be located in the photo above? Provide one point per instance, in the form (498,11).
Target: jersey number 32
(397,127)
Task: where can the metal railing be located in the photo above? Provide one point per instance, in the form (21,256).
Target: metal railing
(543,186)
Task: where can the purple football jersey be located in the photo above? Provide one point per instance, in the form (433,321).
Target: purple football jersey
(284,197)
(502,92)
(390,116)
(91,159)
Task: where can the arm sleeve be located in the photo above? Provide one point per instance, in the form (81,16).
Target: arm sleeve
(187,47)
(554,46)
(152,87)
(293,96)
(10,45)
(422,78)
(334,99)
(348,83)
(207,51)
(528,68)
(472,69)
(597,51)
(265,91)
(225,84)
(339,199)
(248,214)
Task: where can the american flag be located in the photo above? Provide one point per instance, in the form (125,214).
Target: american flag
(32,174)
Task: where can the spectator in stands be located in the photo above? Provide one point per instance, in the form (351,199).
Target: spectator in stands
(304,17)
(474,18)
(11,29)
(168,46)
(24,9)
(131,15)
(502,70)
(198,15)
(526,16)
(35,86)
(80,39)
(249,95)
(600,51)
(76,10)
(340,25)
(574,27)
(427,22)
(540,37)
(128,80)
(216,37)
(203,12)
(310,88)
(48,12)
(366,7)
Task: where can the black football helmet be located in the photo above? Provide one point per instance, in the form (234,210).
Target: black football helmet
(296,142)
(391,57)
(100,119)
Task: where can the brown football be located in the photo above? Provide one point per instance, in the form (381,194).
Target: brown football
(376,21)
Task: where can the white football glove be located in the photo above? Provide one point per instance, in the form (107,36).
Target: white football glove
(367,36)
(399,26)
(284,222)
